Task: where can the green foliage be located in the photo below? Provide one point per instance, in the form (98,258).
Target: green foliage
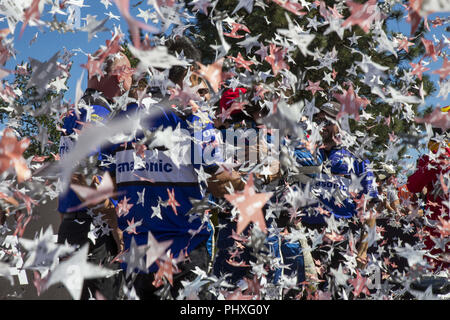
(27,120)
(205,35)
(126,50)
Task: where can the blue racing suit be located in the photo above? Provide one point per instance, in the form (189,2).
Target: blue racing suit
(161,187)
(333,193)
(290,253)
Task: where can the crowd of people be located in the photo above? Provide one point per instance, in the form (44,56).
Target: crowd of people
(175,214)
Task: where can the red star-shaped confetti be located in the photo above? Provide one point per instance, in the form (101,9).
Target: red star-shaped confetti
(418,69)
(226,113)
(350,103)
(172,201)
(334,74)
(313,87)
(430,49)
(11,151)
(29,202)
(94,64)
(413,14)
(31,13)
(404,44)
(250,204)
(444,227)
(134,25)
(241,62)
(276,59)
(290,6)
(5,52)
(39,282)
(9,199)
(123,207)
(359,284)
(235,28)
(260,91)
(131,229)
(362,14)
(444,71)
(165,270)
(437,118)
(140,149)
(21,224)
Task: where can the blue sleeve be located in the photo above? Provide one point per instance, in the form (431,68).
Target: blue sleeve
(205,147)
(99,114)
(72,122)
(368,182)
(304,157)
(70,199)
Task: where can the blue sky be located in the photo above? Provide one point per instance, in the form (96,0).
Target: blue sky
(405,28)
(49,42)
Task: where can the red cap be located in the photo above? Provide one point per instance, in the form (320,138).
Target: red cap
(228,97)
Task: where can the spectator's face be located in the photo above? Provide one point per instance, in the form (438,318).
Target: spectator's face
(391,179)
(117,80)
(329,130)
(122,70)
(203,91)
(202,87)
(140,86)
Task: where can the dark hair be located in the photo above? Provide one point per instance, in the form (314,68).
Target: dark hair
(136,85)
(437,131)
(108,63)
(185,45)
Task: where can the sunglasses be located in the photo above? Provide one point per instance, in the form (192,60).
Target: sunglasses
(323,121)
(202,91)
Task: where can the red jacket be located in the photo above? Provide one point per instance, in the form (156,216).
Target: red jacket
(428,173)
